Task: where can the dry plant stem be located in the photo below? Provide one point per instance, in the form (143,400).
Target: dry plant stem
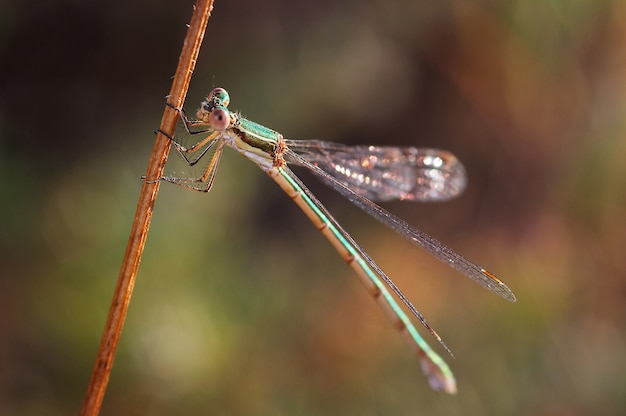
(143,215)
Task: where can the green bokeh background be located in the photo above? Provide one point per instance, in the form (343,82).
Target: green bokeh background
(241,307)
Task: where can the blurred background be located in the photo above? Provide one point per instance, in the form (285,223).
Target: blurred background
(241,307)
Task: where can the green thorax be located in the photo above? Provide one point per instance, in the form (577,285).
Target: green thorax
(256,135)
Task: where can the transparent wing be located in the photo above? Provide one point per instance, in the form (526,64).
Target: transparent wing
(415,236)
(383,173)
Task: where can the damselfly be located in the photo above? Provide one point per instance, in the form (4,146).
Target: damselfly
(362,174)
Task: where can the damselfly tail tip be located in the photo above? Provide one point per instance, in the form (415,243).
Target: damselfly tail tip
(438,379)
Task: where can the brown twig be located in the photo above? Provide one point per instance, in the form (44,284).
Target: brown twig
(143,215)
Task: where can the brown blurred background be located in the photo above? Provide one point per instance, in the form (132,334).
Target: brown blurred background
(241,307)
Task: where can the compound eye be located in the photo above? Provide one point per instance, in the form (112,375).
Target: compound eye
(220,95)
(219,118)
